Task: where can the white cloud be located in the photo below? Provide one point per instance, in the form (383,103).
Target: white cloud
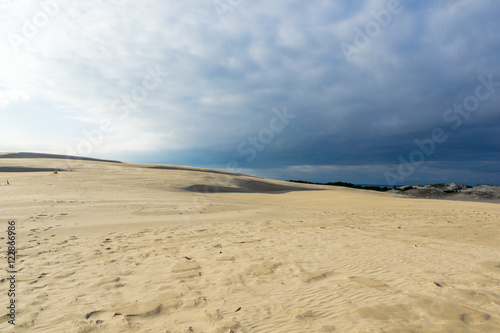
(12,96)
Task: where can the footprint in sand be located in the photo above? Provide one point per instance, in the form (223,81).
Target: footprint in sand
(312,276)
(492,266)
(219,323)
(474,317)
(107,280)
(101,315)
(264,268)
(368,282)
(130,312)
(186,270)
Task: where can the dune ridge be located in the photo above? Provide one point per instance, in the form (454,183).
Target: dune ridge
(51,156)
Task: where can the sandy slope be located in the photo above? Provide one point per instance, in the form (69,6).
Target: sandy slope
(111,247)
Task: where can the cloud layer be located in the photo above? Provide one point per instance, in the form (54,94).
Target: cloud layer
(199,83)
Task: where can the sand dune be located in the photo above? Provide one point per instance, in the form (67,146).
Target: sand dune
(245,185)
(27,169)
(51,156)
(118,247)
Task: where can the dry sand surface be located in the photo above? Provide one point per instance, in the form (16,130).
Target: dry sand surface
(116,247)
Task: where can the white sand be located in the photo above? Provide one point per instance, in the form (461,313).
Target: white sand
(122,248)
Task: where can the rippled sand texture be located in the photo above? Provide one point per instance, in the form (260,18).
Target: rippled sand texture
(115,247)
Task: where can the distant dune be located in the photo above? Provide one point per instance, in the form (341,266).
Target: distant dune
(120,247)
(233,182)
(252,186)
(27,169)
(52,156)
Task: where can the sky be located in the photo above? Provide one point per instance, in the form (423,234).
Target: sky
(369,92)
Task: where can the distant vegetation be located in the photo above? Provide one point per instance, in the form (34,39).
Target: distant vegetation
(344,184)
(407,188)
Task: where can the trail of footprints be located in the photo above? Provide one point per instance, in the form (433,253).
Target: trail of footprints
(179,257)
